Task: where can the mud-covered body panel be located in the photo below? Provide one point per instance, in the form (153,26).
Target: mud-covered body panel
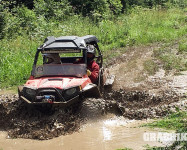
(57,82)
(59,90)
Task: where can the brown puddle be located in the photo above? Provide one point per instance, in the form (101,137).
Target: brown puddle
(108,133)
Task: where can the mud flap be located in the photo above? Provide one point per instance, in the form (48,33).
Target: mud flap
(91,90)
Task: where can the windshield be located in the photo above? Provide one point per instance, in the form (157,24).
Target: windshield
(77,70)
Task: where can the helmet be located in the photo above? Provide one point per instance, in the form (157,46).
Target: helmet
(52,58)
(91,49)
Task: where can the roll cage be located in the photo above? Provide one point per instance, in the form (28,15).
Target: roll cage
(69,44)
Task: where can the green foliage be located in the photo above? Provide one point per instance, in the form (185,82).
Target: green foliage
(183,46)
(180,3)
(174,121)
(154,3)
(3,11)
(173,56)
(27,18)
(170,61)
(16,61)
(52,9)
(97,9)
(145,3)
(2,25)
(12,28)
(113,34)
(25,30)
(18,15)
(115,6)
(147,25)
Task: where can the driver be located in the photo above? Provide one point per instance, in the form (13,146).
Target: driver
(92,66)
(52,58)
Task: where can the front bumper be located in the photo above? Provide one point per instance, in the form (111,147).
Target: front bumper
(49,96)
(66,103)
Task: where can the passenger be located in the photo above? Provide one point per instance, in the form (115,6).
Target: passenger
(92,66)
(52,58)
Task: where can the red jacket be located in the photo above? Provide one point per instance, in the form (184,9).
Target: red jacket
(94,68)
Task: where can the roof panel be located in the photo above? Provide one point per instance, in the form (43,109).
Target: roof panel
(67,38)
(62,45)
(67,42)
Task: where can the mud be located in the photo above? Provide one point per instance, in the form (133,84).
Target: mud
(142,105)
(24,121)
(35,122)
(109,132)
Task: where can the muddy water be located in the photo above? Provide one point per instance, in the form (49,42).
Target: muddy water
(108,133)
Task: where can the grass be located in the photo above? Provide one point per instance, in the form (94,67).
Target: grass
(171,61)
(16,61)
(175,121)
(183,46)
(154,26)
(141,26)
(173,55)
(150,66)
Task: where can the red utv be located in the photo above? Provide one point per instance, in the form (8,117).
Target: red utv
(67,82)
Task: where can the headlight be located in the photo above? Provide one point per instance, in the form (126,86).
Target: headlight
(30,92)
(71,91)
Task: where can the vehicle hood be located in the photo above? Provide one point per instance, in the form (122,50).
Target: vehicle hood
(57,82)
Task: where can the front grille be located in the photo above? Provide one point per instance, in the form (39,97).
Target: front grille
(53,92)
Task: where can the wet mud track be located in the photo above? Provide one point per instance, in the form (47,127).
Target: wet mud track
(142,105)
(24,121)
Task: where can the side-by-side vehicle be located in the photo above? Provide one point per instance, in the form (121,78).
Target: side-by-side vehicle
(66,82)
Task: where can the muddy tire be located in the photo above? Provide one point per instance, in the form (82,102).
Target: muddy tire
(101,81)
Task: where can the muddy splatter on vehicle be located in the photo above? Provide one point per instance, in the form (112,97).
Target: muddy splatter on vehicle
(64,80)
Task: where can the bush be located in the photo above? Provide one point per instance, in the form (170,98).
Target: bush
(27,18)
(115,6)
(97,9)
(52,9)
(2,25)
(180,3)
(2,19)
(13,28)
